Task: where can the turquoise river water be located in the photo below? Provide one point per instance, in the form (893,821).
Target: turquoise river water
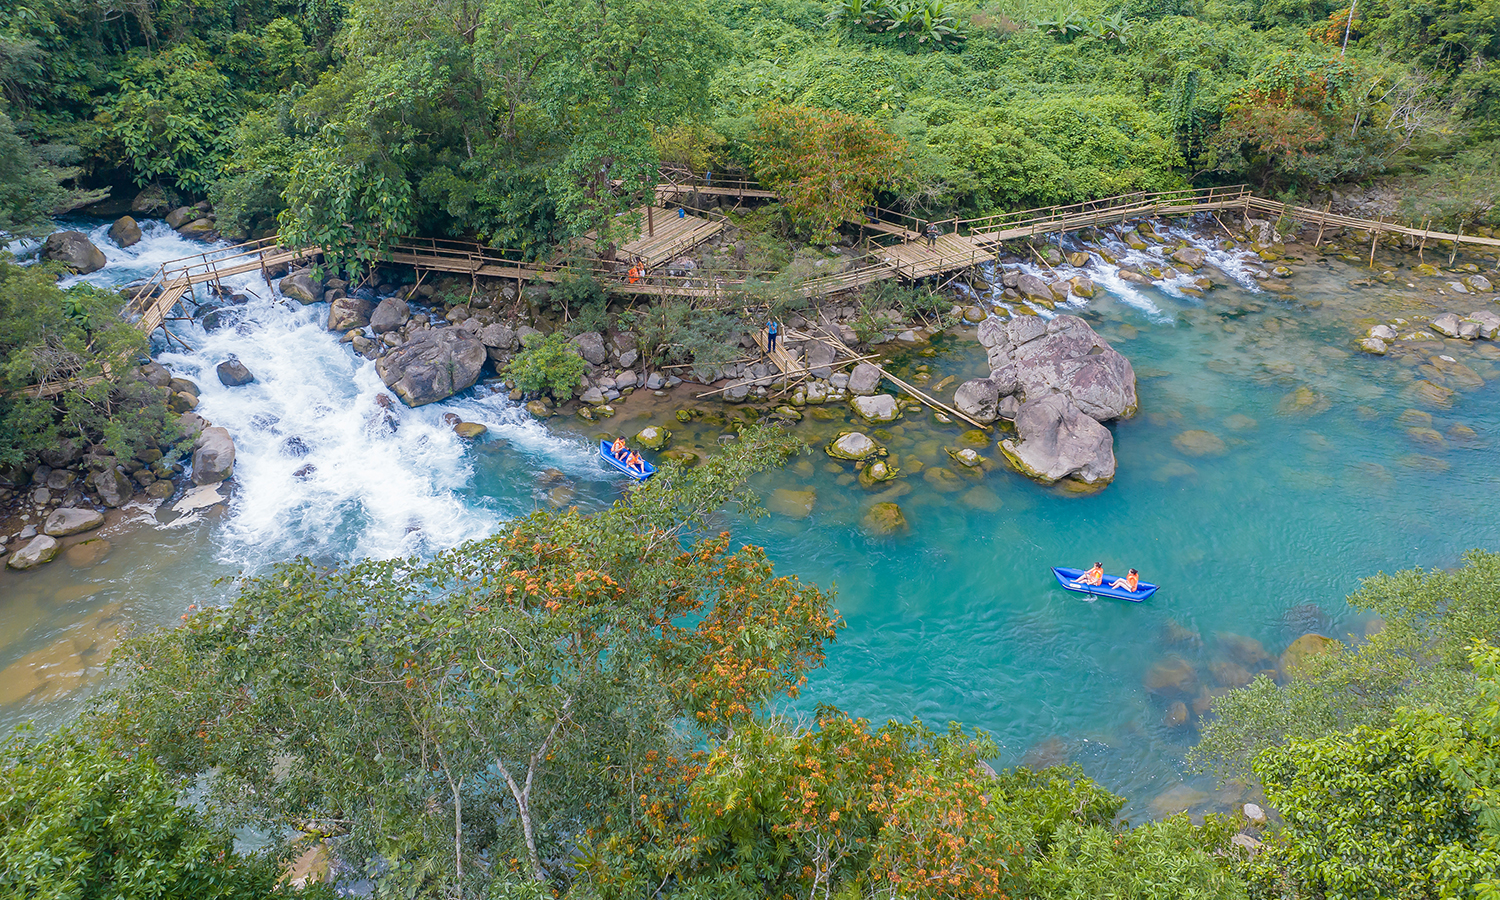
(1330,469)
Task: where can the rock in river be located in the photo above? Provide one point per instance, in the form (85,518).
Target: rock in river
(1063,356)
(232,373)
(302,287)
(390,315)
(347,313)
(74,250)
(72,520)
(791,503)
(1057,441)
(1199,443)
(653,437)
(40,549)
(125,232)
(876,408)
(852,446)
(884,519)
(433,365)
(864,379)
(978,399)
(213,460)
(1304,647)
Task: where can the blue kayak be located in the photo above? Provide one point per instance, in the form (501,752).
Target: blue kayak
(618,463)
(1066,576)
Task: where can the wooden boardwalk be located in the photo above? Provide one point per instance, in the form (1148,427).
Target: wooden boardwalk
(895,250)
(664,235)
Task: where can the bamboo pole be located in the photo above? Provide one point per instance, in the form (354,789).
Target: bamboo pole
(1322,223)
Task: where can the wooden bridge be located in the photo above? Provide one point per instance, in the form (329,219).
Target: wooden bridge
(895,247)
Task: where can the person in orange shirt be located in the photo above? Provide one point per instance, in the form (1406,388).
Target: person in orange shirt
(1094,576)
(618,448)
(635,462)
(1130,582)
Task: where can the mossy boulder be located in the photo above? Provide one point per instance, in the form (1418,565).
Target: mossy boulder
(1305,647)
(653,437)
(687,458)
(852,446)
(793,504)
(876,472)
(884,519)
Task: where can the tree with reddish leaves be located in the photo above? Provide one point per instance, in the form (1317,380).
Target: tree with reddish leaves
(825,164)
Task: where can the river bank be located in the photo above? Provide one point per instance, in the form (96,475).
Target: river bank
(1318,482)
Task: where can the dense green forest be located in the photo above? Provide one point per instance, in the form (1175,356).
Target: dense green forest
(583,706)
(521,123)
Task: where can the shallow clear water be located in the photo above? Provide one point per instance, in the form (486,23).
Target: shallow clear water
(1317,484)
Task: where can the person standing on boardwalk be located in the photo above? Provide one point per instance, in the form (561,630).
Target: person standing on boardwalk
(932,234)
(771,331)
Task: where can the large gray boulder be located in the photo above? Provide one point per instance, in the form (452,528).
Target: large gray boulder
(591,346)
(232,373)
(302,287)
(114,486)
(864,380)
(1034,288)
(125,231)
(72,520)
(979,400)
(213,460)
(1064,356)
(181,216)
(1057,441)
(74,250)
(499,336)
(40,549)
(390,315)
(433,365)
(1489,323)
(347,313)
(876,408)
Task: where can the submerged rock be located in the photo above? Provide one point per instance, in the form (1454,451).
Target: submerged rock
(1199,443)
(884,519)
(1305,647)
(1057,441)
(793,504)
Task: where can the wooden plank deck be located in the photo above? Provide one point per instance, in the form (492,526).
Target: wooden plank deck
(663,236)
(914,260)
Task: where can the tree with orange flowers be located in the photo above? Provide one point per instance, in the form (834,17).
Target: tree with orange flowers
(825,164)
(473,716)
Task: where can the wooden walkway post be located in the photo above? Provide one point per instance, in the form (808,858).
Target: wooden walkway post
(1322,223)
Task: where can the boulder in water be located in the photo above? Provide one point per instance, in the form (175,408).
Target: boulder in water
(1172,677)
(876,408)
(347,313)
(1057,441)
(793,504)
(1488,322)
(1191,257)
(40,549)
(232,373)
(74,250)
(125,232)
(213,460)
(302,287)
(433,365)
(200,229)
(181,216)
(390,315)
(864,380)
(653,437)
(852,446)
(978,399)
(499,337)
(1198,442)
(469,430)
(1064,356)
(72,520)
(1446,325)
(1305,647)
(884,519)
(114,486)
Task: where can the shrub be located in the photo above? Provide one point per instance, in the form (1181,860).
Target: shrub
(550,364)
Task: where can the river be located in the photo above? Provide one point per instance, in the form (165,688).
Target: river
(1324,467)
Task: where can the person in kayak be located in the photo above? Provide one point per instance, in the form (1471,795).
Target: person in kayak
(618,448)
(1130,582)
(635,463)
(1094,576)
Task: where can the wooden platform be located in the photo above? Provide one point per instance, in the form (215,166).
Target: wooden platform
(914,260)
(663,236)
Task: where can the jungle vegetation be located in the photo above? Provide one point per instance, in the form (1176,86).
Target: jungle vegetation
(344,122)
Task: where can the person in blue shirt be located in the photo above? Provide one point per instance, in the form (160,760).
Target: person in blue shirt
(771,331)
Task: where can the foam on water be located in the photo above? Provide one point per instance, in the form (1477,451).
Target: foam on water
(323,467)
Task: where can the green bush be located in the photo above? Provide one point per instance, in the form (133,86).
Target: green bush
(550,364)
